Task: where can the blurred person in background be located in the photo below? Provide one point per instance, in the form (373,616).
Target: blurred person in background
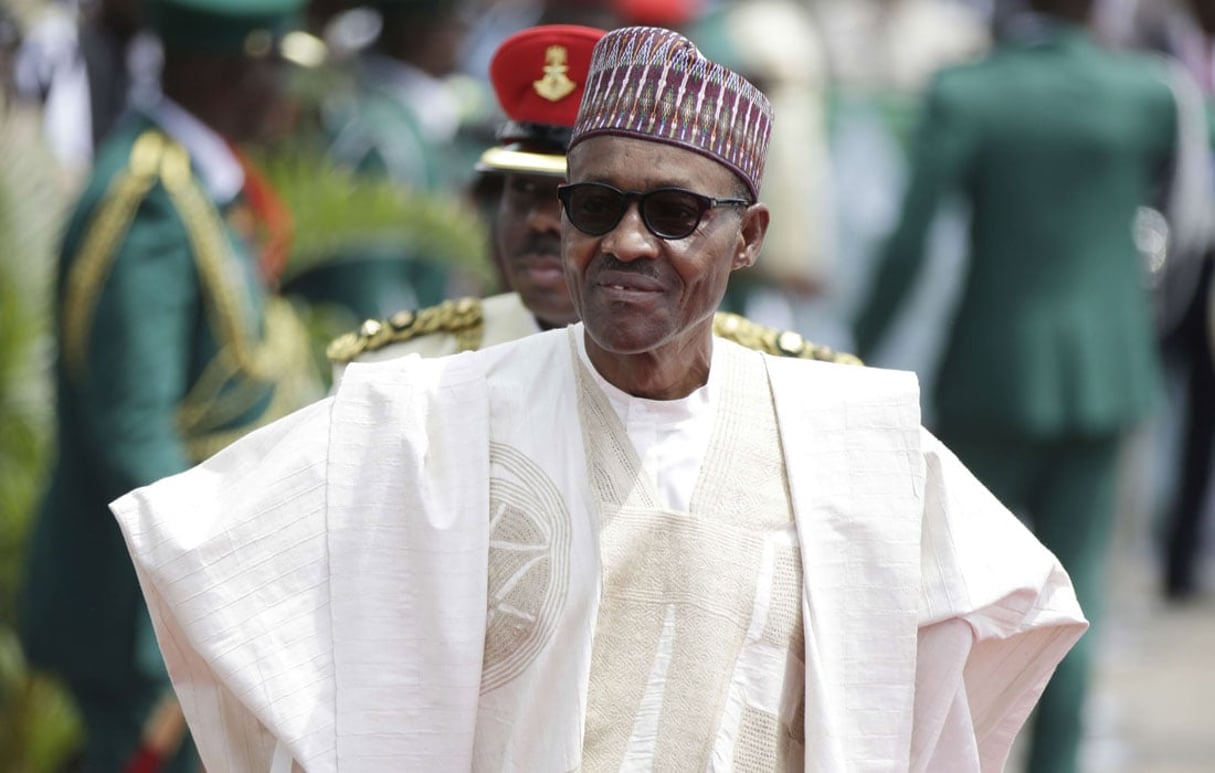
(86,63)
(1187,32)
(1180,276)
(170,345)
(538,76)
(10,43)
(776,45)
(600,14)
(897,44)
(1049,360)
(881,56)
(496,20)
(399,118)
(403,115)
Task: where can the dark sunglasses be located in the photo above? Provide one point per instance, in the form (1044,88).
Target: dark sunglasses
(669,213)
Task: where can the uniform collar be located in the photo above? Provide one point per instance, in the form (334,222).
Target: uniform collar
(429,99)
(211,157)
(1037,29)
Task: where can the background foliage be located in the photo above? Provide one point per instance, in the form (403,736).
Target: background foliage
(337,212)
(39,729)
(333,213)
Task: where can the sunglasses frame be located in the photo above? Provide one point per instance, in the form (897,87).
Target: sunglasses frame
(704,203)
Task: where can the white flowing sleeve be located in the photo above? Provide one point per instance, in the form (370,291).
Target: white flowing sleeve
(997,614)
(232,558)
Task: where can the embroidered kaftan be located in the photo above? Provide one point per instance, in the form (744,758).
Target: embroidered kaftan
(341,591)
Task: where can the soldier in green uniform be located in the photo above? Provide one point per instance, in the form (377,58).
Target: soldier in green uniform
(1189,334)
(538,76)
(399,120)
(169,347)
(1050,359)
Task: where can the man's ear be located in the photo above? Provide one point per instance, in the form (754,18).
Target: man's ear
(751,232)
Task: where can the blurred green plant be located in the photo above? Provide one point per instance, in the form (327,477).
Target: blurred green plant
(39,728)
(338,215)
(338,212)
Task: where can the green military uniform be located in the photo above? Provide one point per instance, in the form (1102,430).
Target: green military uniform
(1050,357)
(169,349)
(380,128)
(378,136)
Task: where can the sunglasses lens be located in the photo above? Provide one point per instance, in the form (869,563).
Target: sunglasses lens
(670,213)
(673,214)
(594,209)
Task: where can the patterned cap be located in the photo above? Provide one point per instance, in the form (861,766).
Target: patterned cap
(653,84)
(539,75)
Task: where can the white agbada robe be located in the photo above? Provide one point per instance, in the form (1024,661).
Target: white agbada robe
(321,589)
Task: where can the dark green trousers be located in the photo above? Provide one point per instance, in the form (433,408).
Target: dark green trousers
(113,726)
(1063,489)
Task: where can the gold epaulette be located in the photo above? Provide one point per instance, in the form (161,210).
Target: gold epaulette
(105,231)
(461,318)
(769,340)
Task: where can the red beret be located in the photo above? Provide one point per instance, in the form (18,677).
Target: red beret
(658,13)
(539,75)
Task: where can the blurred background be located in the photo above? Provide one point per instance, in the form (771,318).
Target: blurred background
(389,216)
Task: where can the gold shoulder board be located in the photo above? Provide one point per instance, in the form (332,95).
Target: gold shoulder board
(462,318)
(104,234)
(780,343)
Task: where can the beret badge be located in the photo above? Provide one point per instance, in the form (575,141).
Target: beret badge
(555,85)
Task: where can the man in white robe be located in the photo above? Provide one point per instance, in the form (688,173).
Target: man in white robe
(625,545)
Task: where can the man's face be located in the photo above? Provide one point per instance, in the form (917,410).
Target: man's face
(1204,12)
(528,232)
(255,99)
(636,291)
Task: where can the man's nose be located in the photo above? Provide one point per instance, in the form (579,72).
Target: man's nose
(631,240)
(545,214)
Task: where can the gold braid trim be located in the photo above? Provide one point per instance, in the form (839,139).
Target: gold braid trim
(293,386)
(275,361)
(201,408)
(461,318)
(95,258)
(210,406)
(781,343)
(464,320)
(215,264)
(234,381)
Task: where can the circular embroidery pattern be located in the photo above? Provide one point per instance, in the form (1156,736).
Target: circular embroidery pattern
(529,550)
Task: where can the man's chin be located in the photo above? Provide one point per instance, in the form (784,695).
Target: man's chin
(549,311)
(553,321)
(551,279)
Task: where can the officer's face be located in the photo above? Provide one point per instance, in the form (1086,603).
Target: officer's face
(636,291)
(257,99)
(528,231)
(1204,11)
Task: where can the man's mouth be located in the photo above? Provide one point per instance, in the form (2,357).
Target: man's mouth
(629,282)
(540,266)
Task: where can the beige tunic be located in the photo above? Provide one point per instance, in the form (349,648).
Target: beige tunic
(697,659)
